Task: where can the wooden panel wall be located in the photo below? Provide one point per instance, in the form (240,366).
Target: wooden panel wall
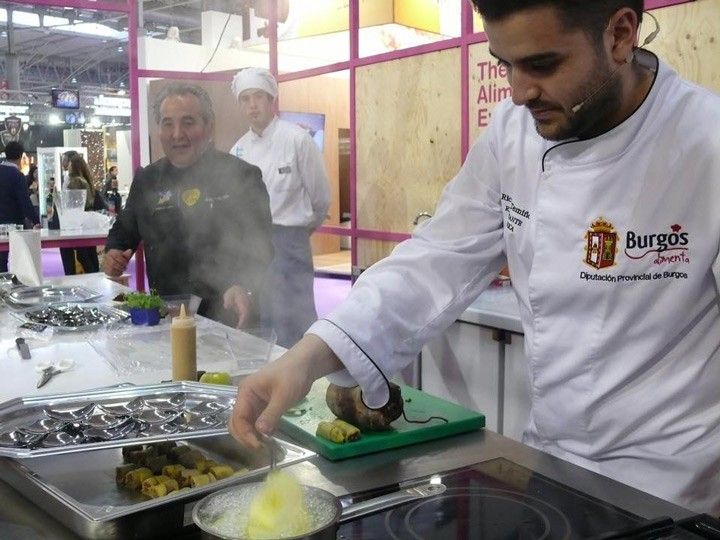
(408,137)
(488,87)
(371,251)
(329,95)
(689,40)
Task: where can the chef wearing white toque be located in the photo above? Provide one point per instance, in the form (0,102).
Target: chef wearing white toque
(294,174)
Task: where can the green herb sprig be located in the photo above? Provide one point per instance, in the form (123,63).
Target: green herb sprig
(143,300)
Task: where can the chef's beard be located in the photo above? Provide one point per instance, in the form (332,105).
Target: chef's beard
(596,108)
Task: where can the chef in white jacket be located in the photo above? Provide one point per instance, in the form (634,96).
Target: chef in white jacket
(294,174)
(600,182)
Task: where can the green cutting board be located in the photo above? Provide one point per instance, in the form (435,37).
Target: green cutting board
(301,422)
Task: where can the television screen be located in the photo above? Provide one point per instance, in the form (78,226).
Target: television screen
(313,123)
(65,99)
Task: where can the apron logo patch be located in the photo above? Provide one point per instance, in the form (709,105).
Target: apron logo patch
(191,196)
(164,197)
(668,249)
(285,170)
(601,244)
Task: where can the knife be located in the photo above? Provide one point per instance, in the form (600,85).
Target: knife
(47,374)
(23,348)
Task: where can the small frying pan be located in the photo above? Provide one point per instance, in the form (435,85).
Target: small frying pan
(223,515)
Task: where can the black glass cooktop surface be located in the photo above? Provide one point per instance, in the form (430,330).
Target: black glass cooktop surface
(496,499)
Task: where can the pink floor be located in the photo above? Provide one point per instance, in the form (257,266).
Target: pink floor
(328,291)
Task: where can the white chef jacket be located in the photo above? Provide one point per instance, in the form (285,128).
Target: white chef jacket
(613,246)
(293,171)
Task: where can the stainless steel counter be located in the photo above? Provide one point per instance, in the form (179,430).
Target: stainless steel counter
(20,519)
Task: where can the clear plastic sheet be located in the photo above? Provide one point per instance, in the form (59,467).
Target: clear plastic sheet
(130,350)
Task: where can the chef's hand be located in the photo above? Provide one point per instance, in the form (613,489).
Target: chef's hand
(238,300)
(115,261)
(265,395)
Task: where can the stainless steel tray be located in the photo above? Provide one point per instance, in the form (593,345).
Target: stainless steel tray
(79,490)
(23,414)
(111,315)
(50,294)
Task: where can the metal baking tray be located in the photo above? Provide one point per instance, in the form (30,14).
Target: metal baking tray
(50,294)
(195,409)
(111,316)
(79,490)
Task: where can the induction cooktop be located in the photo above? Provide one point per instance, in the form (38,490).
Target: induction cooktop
(499,499)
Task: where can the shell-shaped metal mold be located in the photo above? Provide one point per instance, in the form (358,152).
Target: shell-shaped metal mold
(192,422)
(205,408)
(105,421)
(152,430)
(174,401)
(70,414)
(44,425)
(111,434)
(157,416)
(60,439)
(123,408)
(11,439)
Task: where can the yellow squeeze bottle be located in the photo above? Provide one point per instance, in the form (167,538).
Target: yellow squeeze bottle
(183,334)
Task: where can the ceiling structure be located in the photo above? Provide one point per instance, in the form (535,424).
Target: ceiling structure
(80,55)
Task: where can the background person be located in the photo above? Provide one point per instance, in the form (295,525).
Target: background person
(202,215)
(294,174)
(80,177)
(15,205)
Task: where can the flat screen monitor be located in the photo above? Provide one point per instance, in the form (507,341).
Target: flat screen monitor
(65,99)
(313,123)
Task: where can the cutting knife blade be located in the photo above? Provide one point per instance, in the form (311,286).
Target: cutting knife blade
(23,348)
(47,374)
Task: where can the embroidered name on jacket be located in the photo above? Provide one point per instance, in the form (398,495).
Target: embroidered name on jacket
(514,215)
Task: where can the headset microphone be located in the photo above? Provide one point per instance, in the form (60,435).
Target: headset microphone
(629,60)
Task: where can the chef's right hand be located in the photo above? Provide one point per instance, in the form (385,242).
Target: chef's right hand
(265,395)
(115,261)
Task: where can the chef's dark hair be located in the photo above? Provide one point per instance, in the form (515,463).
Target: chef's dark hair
(592,17)
(183,89)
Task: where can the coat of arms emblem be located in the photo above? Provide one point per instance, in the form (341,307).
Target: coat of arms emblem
(601,245)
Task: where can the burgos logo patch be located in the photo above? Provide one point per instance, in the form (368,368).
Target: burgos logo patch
(601,244)
(665,248)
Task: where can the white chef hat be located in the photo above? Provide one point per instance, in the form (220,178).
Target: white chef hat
(254,78)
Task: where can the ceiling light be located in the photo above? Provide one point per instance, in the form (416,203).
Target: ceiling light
(74,80)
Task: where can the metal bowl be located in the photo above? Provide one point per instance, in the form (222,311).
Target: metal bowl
(223,514)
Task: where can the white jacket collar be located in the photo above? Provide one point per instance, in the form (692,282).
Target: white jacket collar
(616,141)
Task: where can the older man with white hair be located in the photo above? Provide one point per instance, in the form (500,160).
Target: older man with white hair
(294,174)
